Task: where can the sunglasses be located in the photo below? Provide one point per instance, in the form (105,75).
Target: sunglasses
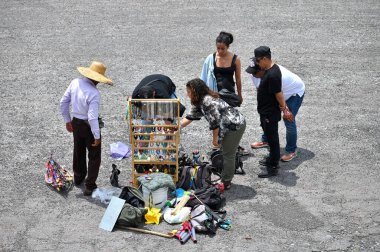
(259,59)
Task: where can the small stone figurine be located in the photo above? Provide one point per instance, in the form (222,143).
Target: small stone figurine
(114,178)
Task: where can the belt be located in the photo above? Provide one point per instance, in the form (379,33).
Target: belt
(81,120)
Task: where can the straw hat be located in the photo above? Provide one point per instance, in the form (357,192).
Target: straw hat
(95,72)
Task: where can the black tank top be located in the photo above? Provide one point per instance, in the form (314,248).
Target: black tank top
(225,75)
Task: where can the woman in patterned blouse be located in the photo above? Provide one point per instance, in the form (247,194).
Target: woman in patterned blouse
(228,121)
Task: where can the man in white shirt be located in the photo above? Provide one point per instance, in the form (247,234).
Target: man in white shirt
(84,98)
(293,89)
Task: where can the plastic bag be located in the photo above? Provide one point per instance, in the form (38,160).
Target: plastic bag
(198,215)
(105,194)
(180,217)
(120,150)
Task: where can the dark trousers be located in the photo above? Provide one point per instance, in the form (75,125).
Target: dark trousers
(83,139)
(270,128)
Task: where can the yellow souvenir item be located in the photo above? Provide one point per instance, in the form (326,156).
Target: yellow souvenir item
(153,216)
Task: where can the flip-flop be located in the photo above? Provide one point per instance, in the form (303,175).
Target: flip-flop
(215,147)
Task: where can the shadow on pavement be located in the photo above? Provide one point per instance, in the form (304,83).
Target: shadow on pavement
(286,176)
(245,157)
(239,192)
(302,156)
(62,193)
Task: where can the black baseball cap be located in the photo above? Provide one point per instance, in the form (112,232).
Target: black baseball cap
(262,51)
(253,68)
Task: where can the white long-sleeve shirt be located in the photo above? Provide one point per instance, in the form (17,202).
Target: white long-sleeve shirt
(84,98)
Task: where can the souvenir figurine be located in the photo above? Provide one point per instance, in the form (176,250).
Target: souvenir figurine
(166,169)
(146,168)
(139,168)
(143,157)
(172,169)
(154,168)
(164,144)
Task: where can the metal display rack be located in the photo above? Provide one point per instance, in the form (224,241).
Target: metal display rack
(154,136)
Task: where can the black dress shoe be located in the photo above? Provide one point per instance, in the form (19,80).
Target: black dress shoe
(78,182)
(271,172)
(87,192)
(89,188)
(264,161)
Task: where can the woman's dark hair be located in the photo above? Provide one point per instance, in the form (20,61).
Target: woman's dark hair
(199,90)
(225,38)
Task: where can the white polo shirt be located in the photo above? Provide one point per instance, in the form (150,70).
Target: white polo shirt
(291,83)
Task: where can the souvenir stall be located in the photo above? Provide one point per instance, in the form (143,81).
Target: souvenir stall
(188,199)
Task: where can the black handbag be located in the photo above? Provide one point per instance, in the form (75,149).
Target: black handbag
(132,196)
(232,99)
(216,157)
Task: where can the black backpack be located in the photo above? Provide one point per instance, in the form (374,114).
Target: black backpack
(209,196)
(184,159)
(196,177)
(203,176)
(185,178)
(216,158)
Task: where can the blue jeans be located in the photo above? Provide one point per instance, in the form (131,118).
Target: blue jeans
(293,103)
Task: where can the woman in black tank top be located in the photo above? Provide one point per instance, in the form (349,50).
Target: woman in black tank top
(225,75)
(226,65)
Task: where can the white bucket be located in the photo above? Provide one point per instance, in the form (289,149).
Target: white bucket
(159,196)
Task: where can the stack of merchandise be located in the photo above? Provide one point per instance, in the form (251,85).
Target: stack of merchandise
(58,178)
(196,204)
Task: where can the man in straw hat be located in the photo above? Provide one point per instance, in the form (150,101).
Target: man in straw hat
(84,98)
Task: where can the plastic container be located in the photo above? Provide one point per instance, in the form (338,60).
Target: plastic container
(105,194)
(159,196)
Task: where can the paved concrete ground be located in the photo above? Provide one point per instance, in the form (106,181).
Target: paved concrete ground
(327,199)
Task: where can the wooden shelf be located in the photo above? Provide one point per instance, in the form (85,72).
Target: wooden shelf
(174,134)
(154,141)
(154,148)
(155,162)
(153,134)
(155,126)
(143,174)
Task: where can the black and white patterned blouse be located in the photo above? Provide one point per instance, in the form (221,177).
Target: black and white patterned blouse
(219,115)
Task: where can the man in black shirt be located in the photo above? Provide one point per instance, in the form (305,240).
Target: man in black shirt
(270,103)
(156,86)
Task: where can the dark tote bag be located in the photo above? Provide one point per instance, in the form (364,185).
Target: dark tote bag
(232,99)
(132,196)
